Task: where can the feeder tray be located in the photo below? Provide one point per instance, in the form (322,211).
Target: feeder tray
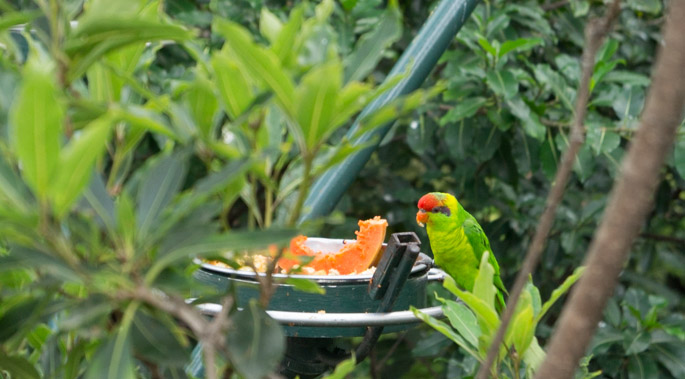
(351,302)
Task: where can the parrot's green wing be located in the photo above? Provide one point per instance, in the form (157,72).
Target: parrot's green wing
(479,241)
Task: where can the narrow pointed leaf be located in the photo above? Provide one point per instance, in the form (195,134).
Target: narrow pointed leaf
(463,320)
(162,181)
(560,291)
(486,315)
(76,164)
(262,64)
(483,287)
(370,47)
(18,367)
(256,342)
(112,360)
(233,86)
(445,329)
(316,98)
(37,117)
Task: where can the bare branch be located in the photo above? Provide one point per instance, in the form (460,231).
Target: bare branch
(629,203)
(595,33)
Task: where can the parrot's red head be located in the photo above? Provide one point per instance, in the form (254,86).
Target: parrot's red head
(435,203)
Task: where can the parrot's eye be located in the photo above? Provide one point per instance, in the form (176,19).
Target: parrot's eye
(443,210)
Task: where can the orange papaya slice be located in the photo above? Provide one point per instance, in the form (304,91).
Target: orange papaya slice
(354,257)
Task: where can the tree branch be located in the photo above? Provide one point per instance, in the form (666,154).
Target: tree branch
(595,33)
(629,203)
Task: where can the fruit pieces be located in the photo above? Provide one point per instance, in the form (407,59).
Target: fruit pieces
(354,257)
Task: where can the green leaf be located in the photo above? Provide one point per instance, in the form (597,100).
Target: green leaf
(76,164)
(315,98)
(113,359)
(14,319)
(87,313)
(141,117)
(464,109)
(463,320)
(502,83)
(370,47)
(284,46)
(627,78)
(97,36)
(520,44)
(12,188)
(256,342)
(153,340)
(564,92)
(18,367)
(580,7)
(642,366)
(233,86)
(445,329)
(533,357)
(37,117)
(162,180)
(9,20)
(629,102)
(601,140)
(647,6)
(98,200)
(487,317)
(559,291)
(348,4)
(24,257)
(522,329)
(269,25)
(529,119)
(679,155)
(636,343)
(344,368)
(487,46)
(203,104)
(305,285)
(670,355)
(261,64)
(483,287)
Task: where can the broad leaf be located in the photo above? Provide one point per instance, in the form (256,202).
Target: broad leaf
(154,341)
(487,317)
(464,109)
(256,342)
(233,86)
(18,367)
(370,47)
(519,44)
(502,83)
(113,359)
(12,188)
(445,329)
(161,182)
(261,64)
(522,328)
(76,164)
(483,287)
(463,320)
(14,319)
(201,100)
(315,98)
(37,117)
(529,119)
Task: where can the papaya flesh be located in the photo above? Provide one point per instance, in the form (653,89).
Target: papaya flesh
(354,257)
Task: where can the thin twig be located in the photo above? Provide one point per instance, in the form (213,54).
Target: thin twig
(553,6)
(595,32)
(662,238)
(630,202)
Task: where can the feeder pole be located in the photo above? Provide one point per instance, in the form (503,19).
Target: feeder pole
(420,57)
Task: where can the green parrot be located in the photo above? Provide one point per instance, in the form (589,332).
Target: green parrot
(457,241)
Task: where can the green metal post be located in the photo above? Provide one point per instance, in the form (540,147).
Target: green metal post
(421,55)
